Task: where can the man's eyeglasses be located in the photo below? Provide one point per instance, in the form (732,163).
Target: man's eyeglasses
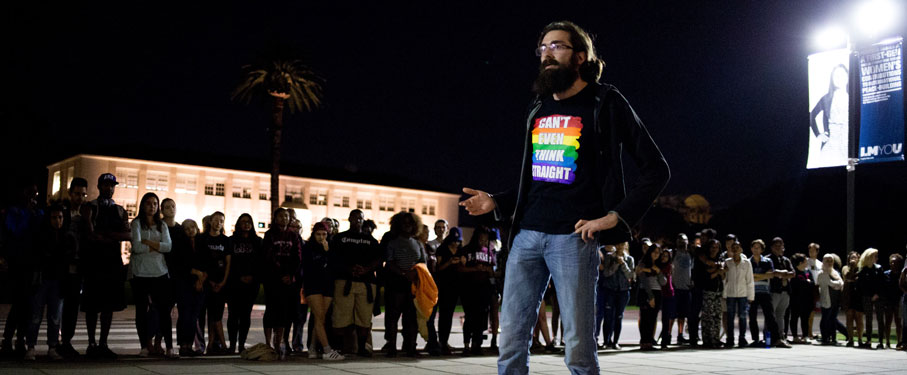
(553,47)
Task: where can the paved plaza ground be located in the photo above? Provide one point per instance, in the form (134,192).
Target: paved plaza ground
(802,359)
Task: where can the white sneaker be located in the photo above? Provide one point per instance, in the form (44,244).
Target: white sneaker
(144,353)
(54,356)
(314,354)
(333,355)
(171,353)
(30,354)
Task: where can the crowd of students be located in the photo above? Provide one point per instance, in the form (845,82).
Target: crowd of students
(705,285)
(67,259)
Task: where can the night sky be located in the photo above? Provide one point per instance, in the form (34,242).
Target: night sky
(435,94)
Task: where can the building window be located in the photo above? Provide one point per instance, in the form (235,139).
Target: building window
(56,186)
(293,194)
(429,208)
(70,175)
(386,204)
(187,185)
(157,181)
(128,177)
(131,209)
(263,192)
(408,205)
(214,188)
(364,204)
(242,190)
(318,197)
(342,199)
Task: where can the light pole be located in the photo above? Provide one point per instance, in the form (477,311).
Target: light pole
(871,18)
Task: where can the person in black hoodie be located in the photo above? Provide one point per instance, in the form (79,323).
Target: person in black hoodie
(54,246)
(282,252)
(871,283)
(476,277)
(188,270)
(451,260)
(318,288)
(217,250)
(244,281)
(802,297)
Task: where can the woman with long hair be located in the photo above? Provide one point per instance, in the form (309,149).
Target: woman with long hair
(318,288)
(802,298)
(829,281)
(282,250)
(892,298)
(244,281)
(151,281)
(711,297)
(649,271)
(832,136)
(189,275)
(618,272)
(871,282)
(402,251)
(851,301)
(668,300)
(477,275)
(217,251)
(450,261)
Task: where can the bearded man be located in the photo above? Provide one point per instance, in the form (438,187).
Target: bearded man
(571,197)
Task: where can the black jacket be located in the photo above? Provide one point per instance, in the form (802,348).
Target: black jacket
(617,129)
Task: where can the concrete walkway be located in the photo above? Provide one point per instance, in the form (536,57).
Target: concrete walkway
(804,359)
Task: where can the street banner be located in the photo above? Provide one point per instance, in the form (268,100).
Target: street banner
(828,105)
(882,105)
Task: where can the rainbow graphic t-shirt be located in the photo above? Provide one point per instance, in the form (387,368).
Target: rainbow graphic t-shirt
(555,141)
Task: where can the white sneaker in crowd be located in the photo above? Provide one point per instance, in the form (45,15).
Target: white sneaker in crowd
(333,355)
(144,353)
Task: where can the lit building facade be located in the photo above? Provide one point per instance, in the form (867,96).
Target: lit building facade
(199,191)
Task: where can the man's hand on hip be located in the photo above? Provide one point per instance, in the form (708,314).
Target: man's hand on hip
(588,228)
(479,203)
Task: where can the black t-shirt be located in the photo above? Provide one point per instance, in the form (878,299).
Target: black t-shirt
(215,251)
(247,256)
(563,188)
(354,248)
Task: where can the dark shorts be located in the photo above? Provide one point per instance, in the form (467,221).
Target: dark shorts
(669,307)
(104,290)
(682,300)
(316,286)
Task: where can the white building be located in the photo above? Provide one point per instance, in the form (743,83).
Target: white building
(200,191)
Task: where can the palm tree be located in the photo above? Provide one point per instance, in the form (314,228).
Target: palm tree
(287,83)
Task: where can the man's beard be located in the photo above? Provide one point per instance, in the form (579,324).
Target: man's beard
(558,79)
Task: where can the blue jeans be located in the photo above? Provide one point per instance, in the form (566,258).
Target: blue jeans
(609,311)
(737,306)
(573,264)
(47,294)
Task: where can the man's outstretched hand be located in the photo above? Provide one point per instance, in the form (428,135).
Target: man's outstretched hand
(479,203)
(588,228)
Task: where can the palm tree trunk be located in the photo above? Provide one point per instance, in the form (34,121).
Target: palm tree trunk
(276,130)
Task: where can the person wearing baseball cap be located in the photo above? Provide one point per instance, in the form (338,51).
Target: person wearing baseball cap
(103,291)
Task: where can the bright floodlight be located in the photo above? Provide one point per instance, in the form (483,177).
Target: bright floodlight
(831,37)
(873,17)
